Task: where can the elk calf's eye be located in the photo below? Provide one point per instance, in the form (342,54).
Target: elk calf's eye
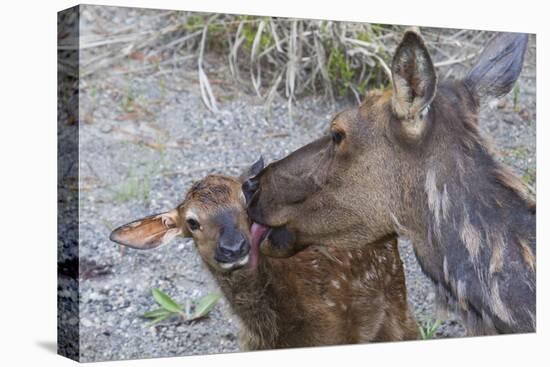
(337,137)
(193,224)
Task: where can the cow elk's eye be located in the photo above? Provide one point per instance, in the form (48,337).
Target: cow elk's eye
(193,224)
(337,137)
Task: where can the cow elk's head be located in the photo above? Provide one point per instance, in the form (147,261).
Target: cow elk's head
(350,185)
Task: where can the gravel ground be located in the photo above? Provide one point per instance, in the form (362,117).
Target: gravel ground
(144,138)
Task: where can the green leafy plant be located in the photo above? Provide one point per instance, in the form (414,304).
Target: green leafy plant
(195,22)
(134,187)
(428,330)
(339,71)
(250,32)
(193,310)
(529,176)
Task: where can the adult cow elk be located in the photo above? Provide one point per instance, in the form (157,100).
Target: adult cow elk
(412,161)
(316,298)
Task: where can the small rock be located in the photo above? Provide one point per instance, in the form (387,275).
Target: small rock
(106,128)
(524,114)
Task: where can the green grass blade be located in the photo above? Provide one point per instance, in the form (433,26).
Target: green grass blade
(155,313)
(158,319)
(165,301)
(428,330)
(205,304)
(422,332)
(435,327)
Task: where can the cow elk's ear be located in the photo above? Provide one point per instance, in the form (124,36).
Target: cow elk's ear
(498,66)
(414,83)
(150,232)
(253,170)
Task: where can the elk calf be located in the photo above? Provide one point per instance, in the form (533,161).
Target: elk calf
(318,297)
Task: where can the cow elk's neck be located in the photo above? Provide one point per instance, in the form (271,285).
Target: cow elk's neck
(476,220)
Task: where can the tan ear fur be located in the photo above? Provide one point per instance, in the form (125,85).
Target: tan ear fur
(414,83)
(149,232)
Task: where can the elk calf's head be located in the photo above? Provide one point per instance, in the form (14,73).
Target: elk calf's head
(213,213)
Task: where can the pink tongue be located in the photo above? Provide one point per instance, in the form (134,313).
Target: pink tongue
(257,231)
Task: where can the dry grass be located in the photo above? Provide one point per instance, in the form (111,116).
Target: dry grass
(268,56)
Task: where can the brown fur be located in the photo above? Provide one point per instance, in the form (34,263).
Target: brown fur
(318,297)
(313,300)
(413,162)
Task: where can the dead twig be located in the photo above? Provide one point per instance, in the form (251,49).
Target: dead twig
(206,90)
(454,61)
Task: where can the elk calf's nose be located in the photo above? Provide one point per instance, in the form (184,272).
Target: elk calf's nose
(232,248)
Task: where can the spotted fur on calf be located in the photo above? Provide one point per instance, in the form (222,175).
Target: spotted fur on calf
(288,303)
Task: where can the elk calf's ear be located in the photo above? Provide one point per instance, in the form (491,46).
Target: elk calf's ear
(149,232)
(414,83)
(498,66)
